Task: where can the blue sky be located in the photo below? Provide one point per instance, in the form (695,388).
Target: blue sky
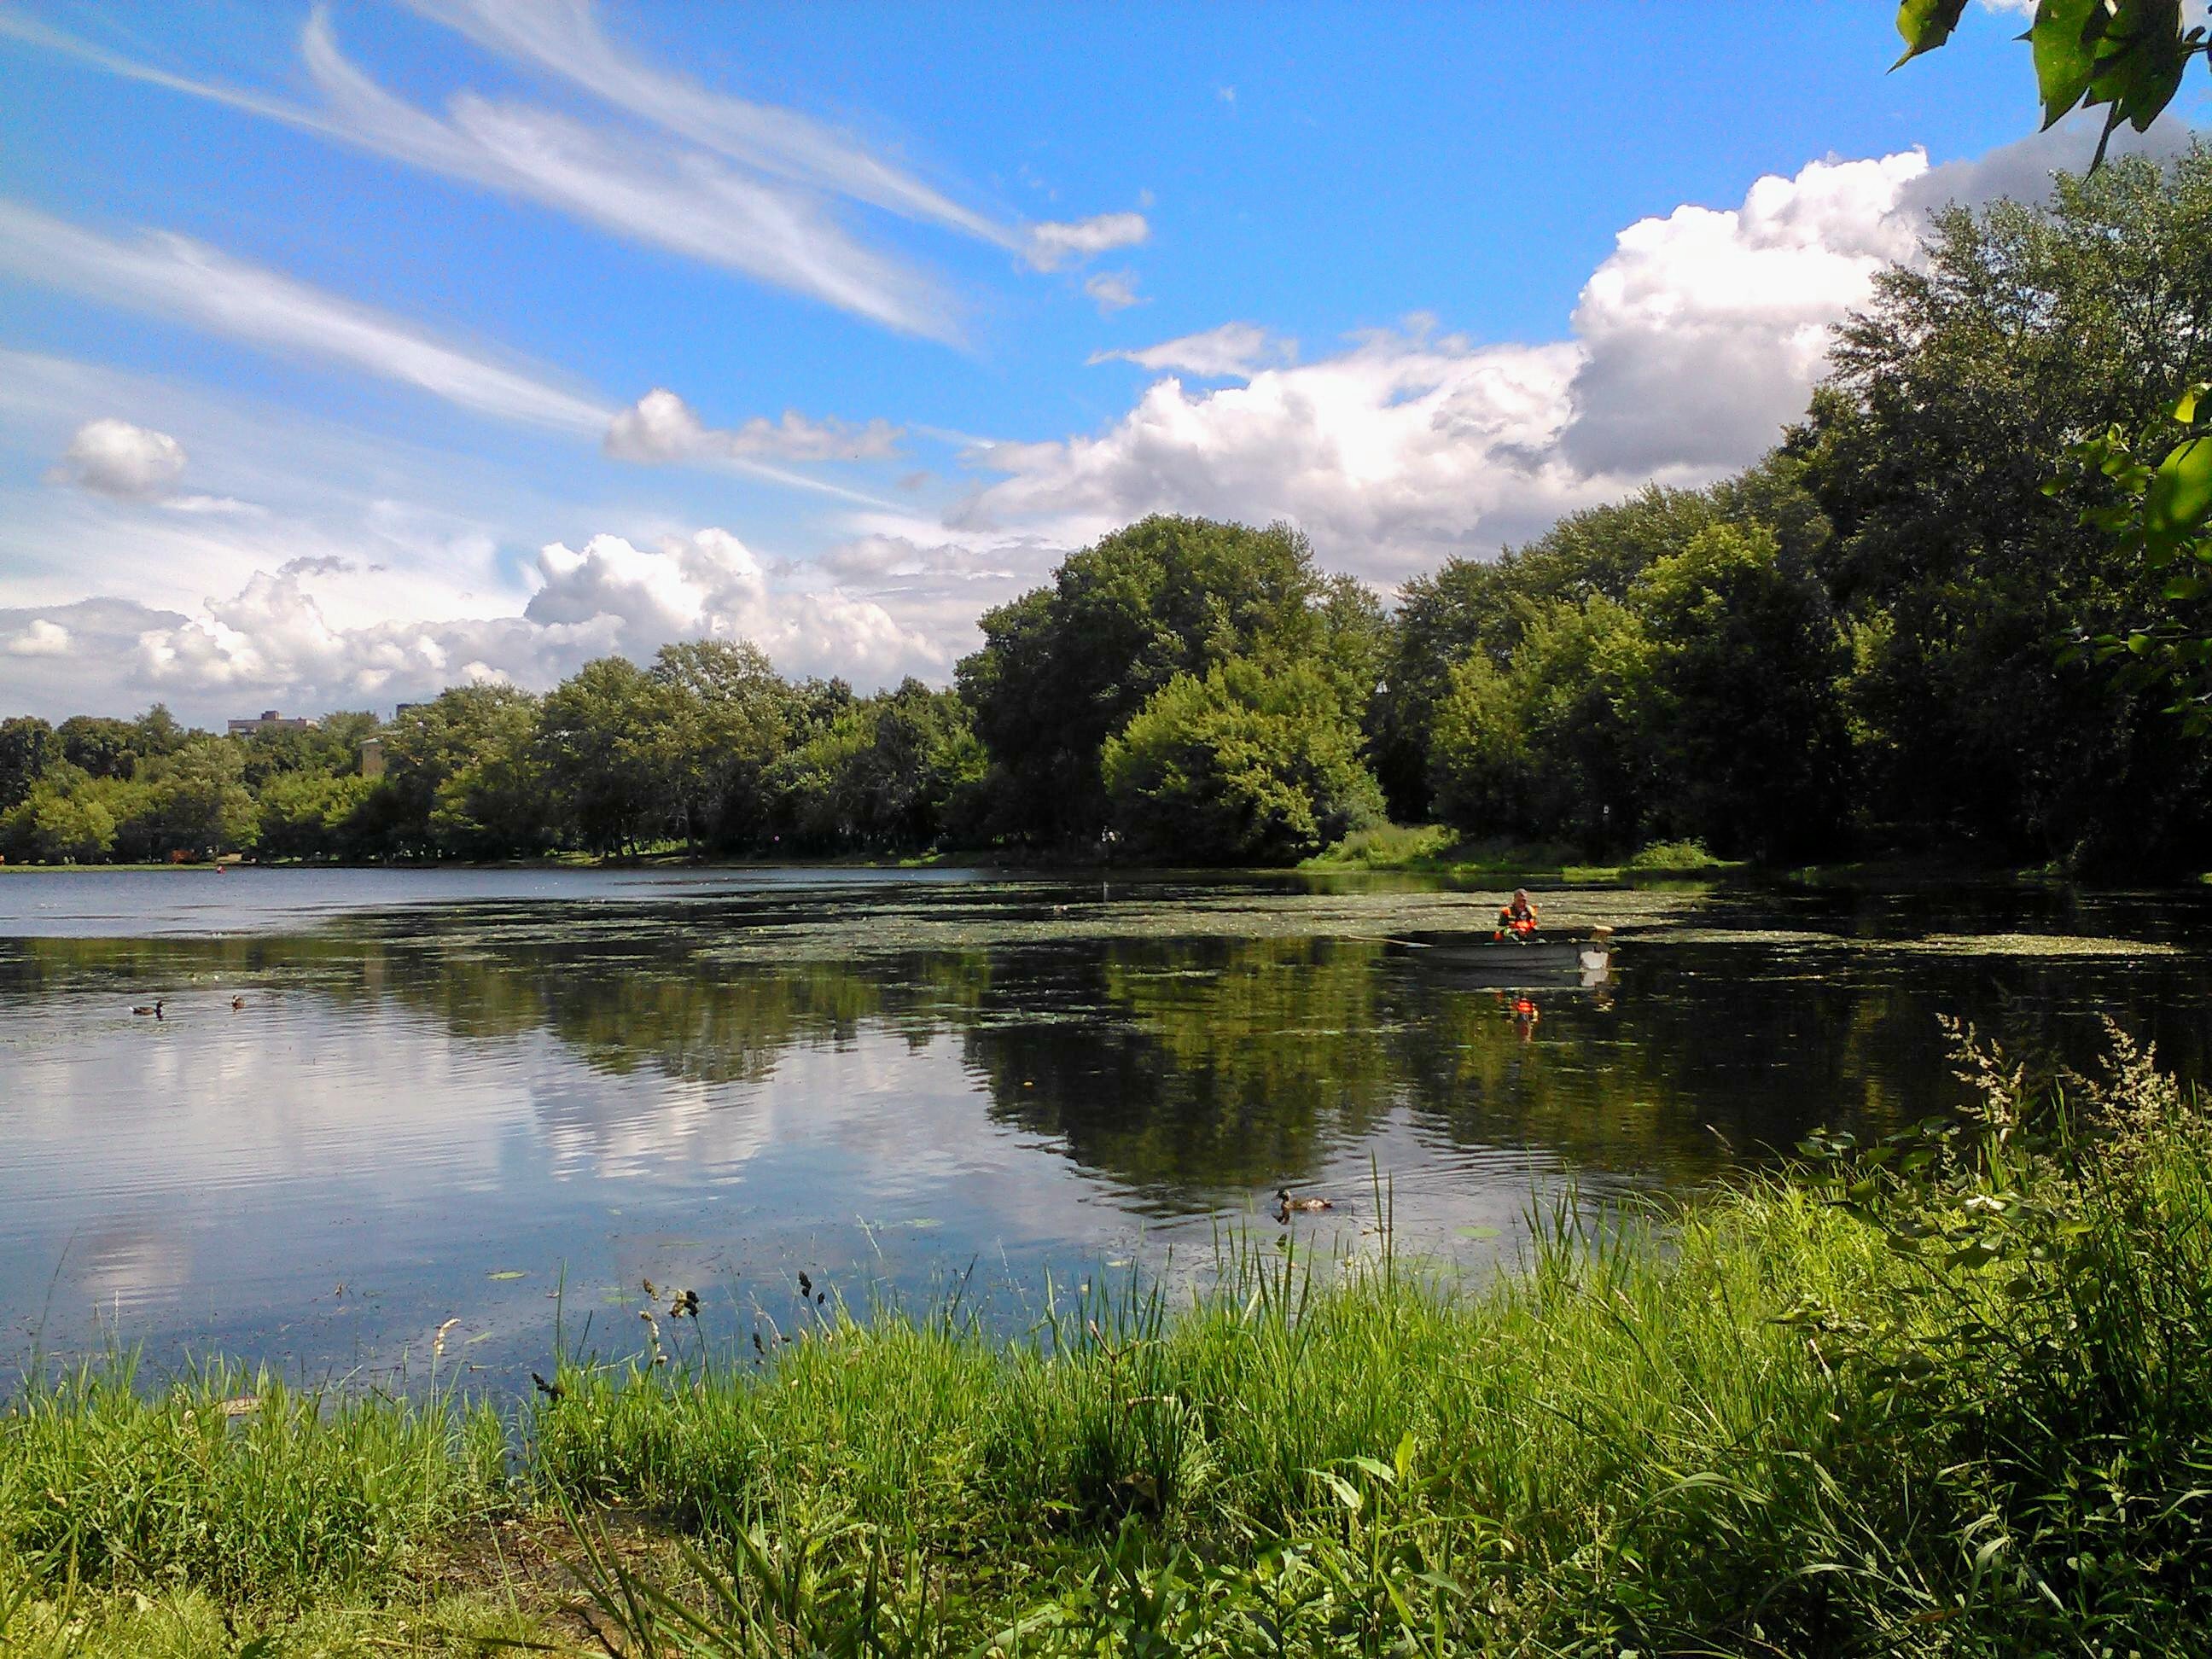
(350,351)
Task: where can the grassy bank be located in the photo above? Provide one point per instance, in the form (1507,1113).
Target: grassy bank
(1953,1394)
(1434,848)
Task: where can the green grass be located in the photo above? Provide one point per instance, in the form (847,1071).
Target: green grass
(1949,1395)
(1437,849)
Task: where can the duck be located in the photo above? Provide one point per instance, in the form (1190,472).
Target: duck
(152,1008)
(1285,1204)
(236,1003)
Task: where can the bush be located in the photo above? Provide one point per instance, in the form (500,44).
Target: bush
(1253,764)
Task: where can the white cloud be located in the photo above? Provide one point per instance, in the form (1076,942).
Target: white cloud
(1692,343)
(684,201)
(753,188)
(1704,331)
(661,427)
(273,642)
(1113,291)
(175,276)
(562,36)
(1233,349)
(1053,244)
(113,458)
(39,638)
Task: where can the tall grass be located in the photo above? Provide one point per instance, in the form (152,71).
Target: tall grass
(232,1481)
(1949,1393)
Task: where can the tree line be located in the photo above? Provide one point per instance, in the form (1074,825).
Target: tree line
(1857,643)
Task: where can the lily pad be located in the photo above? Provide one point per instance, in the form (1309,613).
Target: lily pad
(505,1273)
(1477,1230)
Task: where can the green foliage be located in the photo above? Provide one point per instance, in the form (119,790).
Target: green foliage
(1064,668)
(463,776)
(1731,686)
(1254,763)
(27,747)
(2126,56)
(192,801)
(66,817)
(231,1480)
(309,815)
(1954,397)
(2162,516)
(606,739)
(899,772)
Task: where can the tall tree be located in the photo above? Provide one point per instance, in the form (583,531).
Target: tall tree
(1063,668)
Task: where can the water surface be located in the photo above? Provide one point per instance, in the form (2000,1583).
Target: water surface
(486,1097)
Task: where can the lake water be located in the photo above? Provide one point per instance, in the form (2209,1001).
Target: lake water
(491,1097)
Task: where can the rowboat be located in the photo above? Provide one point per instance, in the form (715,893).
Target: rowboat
(1494,961)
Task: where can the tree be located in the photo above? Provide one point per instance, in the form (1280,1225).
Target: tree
(899,771)
(1252,764)
(310,815)
(61,819)
(729,714)
(2020,333)
(27,747)
(1064,668)
(1538,747)
(1469,606)
(463,777)
(604,737)
(98,747)
(1731,684)
(192,801)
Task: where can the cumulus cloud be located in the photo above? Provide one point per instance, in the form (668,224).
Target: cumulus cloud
(661,427)
(113,458)
(1703,330)
(39,637)
(1053,244)
(1388,454)
(1233,349)
(1696,340)
(1113,291)
(274,642)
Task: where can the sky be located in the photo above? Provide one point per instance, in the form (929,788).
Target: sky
(350,351)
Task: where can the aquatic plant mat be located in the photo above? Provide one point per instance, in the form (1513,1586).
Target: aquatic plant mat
(1949,1393)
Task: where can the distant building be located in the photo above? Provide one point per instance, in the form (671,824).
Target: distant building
(403,708)
(372,757)
(269,721)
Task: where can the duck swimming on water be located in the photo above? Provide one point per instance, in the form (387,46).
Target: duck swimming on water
(1285,1204)
(152,1008)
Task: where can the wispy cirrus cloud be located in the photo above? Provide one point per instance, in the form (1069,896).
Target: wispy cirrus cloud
(564,37)
(753,189)
(173,275)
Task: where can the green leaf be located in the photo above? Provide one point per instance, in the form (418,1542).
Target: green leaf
(2184,408)
(2141,57)
(1926,25)
(2064,38)
(2181,495)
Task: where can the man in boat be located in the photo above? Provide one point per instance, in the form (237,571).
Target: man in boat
(1517,920)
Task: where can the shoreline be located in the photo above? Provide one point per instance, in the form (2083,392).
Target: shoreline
(1657,1429)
